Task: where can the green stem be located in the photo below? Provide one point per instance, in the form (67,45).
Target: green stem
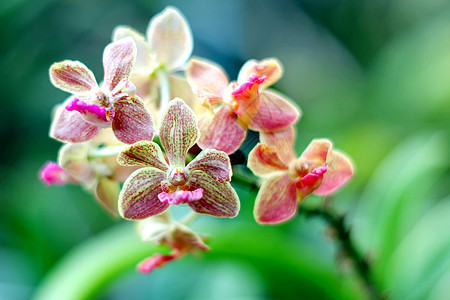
(346,246)
(106,151)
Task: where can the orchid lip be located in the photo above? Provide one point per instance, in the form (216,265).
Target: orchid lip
(93,113)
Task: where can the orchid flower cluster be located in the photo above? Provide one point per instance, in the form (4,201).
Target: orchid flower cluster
(134,139)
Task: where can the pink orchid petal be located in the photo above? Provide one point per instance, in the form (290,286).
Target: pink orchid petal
(271,68)
(340,170)
(317,152)
(145,154)
(52,173)
(179,131)
(170,38)
(139,196)
(207,79)
(107,194)
(282,141)
(73,77)
(179,197)
(155,261)
(133,121)
(221,131)
(118,60)
(263,160)
(92,113)
(214,163)
(74,159)
(247,99)
(70,127)
(276,201)
(274,112)
(308,183)
(144,64)
(219,199)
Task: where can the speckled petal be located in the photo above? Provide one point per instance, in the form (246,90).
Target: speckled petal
(179,131)
(340,170)
(170,38)
(118,60)
(282,141)
(214,163)
(144,62)
(145,154)
(221,131)
(133,121)
(263,160)
(73,77)
(269,67)
(276,201)
(139,196)
(70,127)
(219,199)
(318,152)
(207,79)
(274,112)
(107,194)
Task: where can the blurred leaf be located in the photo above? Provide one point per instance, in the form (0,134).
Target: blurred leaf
(422,257)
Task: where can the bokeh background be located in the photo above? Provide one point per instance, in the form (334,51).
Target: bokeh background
(374,76)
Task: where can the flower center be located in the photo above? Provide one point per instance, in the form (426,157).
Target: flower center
(178,176)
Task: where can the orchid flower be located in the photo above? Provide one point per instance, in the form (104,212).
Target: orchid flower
(90,165)
(203,184)
(93,107)
(168,43)
(161,229)
(239,105)
(288,180)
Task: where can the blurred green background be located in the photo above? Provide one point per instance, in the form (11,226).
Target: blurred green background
(374,76)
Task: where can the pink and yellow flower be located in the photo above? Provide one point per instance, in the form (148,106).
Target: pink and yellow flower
(203,184)
(93,107)
(162,229)
(239,105)
(288,180)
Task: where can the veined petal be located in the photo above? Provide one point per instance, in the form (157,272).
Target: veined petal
(271,68)
(221,131)
(107,194)
(139,196)
(70,127)
(118,60)
(340,170)
(144,62)
(74,159)
(317,152)
(282,141)
(72,76)
(133,121)
(214,163)
(219,198)
(179,131)
(188,238)
(263,160)
(170,38)
(276,201)
(274,112)
(143,153)
(207,79)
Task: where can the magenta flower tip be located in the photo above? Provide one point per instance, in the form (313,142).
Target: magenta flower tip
(180,196)
(52,173)
(155,261)
(91,112)
(248,87)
